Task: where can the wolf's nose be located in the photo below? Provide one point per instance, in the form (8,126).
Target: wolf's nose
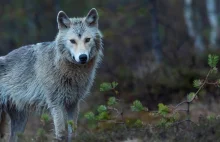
(83,58)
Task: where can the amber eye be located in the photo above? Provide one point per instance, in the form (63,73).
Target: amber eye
(73,41)
(87,40)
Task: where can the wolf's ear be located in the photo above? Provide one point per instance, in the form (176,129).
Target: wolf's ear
(92,17)
(63,20)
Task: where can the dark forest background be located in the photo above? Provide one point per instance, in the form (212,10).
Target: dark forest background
(154,49)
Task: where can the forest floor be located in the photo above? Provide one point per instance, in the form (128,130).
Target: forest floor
(203,129)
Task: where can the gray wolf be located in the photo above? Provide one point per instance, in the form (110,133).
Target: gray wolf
(53,75)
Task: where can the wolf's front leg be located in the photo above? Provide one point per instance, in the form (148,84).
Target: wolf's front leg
(59,122)
(72,116)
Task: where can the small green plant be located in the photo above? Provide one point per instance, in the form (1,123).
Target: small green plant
(211,117)
(166,114)
(138,123)
(102,108)
(45,118)
(111,112)
(102,113)
(213,60)
(169,115)
(72,124)
(111,101)
(163,109)
(91,119)
(137,106)
(41,134)
(90,116)
(197,83)
(106,86)
(191,96)
(103,116)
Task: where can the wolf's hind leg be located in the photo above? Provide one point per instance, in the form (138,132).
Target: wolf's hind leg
(2,123)
(18,122)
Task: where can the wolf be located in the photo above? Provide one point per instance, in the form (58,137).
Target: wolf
(53,75)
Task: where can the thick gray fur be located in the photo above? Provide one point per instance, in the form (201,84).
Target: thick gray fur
(44,75)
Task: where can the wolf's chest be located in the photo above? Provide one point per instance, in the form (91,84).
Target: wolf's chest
(76,84)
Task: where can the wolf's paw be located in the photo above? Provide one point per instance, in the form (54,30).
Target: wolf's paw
(72,135)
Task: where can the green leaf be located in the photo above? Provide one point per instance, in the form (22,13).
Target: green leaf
(41,132)
(45,117)
(103,116)
(214,70)
(90,116)
(138,123)
(213,60)
(137,106)
(211,117)
(105,86)
(190,96)
(102,108)
(162,122)
(114,84)
(163,109)
(218,82)
(197,83)
(72,124)
(111,101)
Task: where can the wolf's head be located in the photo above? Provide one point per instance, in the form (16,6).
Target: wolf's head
(79,39)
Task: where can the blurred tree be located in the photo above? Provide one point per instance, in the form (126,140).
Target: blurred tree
(131,29)
(213,20)
(193,25)
(156,43)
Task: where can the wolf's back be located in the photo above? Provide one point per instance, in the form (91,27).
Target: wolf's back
(18,79)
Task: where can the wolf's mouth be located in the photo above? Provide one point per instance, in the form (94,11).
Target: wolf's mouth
(83,62)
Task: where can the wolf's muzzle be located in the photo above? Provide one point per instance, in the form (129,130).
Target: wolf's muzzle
(83,58)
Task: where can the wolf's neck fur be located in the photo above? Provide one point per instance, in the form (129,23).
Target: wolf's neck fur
(70,69)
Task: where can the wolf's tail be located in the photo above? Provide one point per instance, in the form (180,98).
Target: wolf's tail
(2,122)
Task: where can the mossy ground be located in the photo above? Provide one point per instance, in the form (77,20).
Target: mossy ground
(204,131)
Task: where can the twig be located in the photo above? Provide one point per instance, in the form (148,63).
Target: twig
(114,109)
(189,101)
(188,112)
(181,110)
(180,104)
(204,82)
(212,83)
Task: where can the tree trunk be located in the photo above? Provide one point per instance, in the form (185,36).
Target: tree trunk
(156,43)
(193,25)
(213,20)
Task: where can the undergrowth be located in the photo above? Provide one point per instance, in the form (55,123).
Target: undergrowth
(110,121)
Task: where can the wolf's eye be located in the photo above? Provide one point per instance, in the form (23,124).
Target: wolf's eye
(87,40)
(72,41)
